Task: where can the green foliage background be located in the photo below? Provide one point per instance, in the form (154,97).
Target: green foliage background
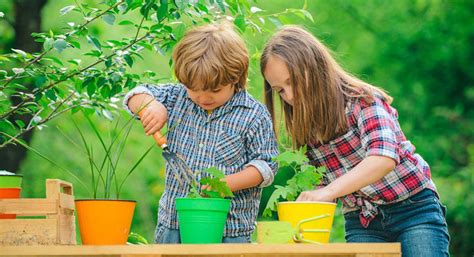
(419,51)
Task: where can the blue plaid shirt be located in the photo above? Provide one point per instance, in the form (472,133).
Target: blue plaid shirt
(232,137)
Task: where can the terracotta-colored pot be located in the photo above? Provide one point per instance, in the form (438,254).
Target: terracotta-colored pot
(9,193)
(104,222)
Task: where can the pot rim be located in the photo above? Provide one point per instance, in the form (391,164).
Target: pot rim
(16,175)
(104,200)
(306,202)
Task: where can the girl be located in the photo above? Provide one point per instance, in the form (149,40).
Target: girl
(351,129)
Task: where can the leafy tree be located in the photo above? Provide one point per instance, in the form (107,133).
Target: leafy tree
(102,68)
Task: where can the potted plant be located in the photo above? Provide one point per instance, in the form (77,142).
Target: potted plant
(310,221)
(104,218)
(10,187)
(203,213)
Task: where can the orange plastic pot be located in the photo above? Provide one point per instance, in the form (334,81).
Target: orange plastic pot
(9,193)
(104,222)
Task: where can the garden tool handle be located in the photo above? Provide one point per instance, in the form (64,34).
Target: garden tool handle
(159,138)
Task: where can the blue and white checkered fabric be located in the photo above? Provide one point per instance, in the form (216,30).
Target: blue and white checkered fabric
(232,137)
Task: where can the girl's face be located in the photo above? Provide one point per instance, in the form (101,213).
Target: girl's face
(277,75)
(211,99)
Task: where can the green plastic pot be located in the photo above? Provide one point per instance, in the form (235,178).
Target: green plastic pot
(10,181)
(202,220)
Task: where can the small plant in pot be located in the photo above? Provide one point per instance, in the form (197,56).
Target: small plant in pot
(104,218)
(203,213)
(302,221)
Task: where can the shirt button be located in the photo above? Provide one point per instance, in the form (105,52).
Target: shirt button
(201,145)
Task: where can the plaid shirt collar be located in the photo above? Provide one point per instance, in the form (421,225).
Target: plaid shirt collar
(240,98)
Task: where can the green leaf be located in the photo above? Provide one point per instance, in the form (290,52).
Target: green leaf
(20,123)
(179,31)
(181,4)
(128,59)
(7,127)
(137,239)
(216,185)
(3,74)
(105,91)
(126,22)
(60,45)
(215,172)
(279,193)
(75,61)
(145,9)
(91,89)
(275,21)
(94,53)
(66,9)
(303,14)
(221,5)
(109,18)
(92,40)
(51,94)
(20,52)
(47,44)
(54,59)
(40,80)
(254,9)
(162,10)
(292,157)
(240,22)
(107,114)
(18,70)
(75,44)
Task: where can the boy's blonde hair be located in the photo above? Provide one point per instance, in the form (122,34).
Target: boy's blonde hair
(321,88)
(211,56)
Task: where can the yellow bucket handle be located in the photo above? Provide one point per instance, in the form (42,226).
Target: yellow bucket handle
(298,237)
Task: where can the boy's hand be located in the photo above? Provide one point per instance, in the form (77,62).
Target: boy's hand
(153,114)
(153,117)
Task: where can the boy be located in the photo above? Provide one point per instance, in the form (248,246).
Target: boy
(215,123)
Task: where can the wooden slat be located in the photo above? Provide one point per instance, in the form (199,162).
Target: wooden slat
(28,207)
(24,232)
(66,201)
(337,249)
(67,230)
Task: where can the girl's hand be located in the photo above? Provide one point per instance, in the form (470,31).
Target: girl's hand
(318,195)
(153,117)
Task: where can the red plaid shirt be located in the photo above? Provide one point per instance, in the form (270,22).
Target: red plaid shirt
(373,130)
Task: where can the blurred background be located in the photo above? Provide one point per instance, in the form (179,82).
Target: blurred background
(420,51)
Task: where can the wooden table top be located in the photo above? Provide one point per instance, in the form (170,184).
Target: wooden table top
(241,250)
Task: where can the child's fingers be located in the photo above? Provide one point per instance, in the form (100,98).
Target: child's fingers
(146,117)
(157,126)
(149,126)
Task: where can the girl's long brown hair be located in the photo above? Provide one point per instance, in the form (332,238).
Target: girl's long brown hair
(320,87)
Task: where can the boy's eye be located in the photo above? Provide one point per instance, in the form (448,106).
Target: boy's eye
(216,90)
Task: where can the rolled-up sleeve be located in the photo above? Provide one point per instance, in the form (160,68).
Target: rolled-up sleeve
(163,93)
(262,147)
(377,126)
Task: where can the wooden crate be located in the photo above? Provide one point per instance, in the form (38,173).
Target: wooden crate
(58,226)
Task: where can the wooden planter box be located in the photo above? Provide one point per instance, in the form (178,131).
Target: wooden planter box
(56,226)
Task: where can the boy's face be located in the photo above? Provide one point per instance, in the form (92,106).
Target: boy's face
(211,99)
